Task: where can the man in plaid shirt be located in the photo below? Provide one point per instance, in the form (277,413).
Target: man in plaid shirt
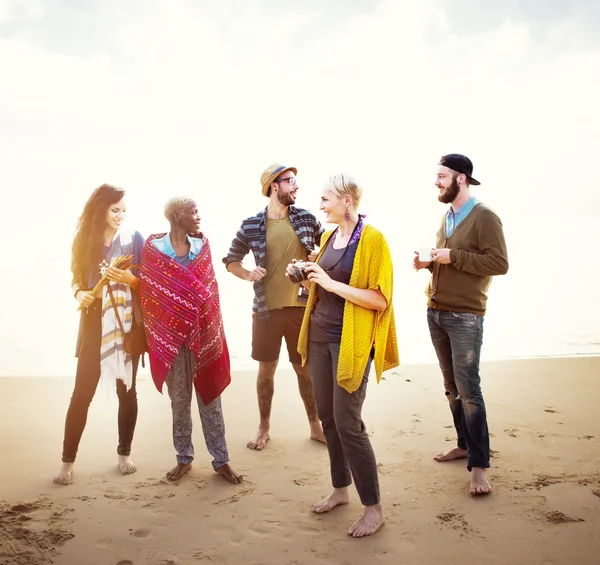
(278,234)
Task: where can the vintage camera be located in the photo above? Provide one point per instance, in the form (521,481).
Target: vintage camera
(298,272)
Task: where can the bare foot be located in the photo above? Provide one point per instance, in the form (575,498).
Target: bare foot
(178,471)
(371,521)
(316,432)
(337,497)
(65,475)
(259,442)
(126,465)
(450,455)
(479,483)
(230,474)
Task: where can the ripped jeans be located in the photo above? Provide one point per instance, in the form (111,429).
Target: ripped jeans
(457,338)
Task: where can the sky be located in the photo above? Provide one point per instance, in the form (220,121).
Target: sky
(199,97)
(191,97)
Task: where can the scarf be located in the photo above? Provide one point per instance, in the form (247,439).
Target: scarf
(115,363)
(181,306)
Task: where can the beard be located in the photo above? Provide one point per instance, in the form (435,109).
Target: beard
(285,199)
(449,194)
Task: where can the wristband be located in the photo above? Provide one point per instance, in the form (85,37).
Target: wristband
(77,292)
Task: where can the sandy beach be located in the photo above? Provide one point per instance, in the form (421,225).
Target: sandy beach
(545,508)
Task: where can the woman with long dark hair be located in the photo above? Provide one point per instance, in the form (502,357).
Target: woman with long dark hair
(99,239)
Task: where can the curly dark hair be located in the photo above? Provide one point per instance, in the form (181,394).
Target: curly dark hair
(89,234)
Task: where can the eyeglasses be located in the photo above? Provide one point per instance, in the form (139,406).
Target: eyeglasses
(291,180)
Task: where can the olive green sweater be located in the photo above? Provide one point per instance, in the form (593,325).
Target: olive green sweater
(478,252)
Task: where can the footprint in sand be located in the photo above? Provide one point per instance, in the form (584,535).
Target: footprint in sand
(141,533)
(24,508)
(125,562)
(555,517)
(550,410)
(265,527)
(512,432)
(309,529)
(455,520)
(305,480)
(209,557)
(35,529)
(235,497)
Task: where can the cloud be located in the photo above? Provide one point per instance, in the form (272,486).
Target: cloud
(197,98)
(160,96)
(566,24)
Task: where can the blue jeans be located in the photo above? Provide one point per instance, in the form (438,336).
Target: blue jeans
(457,338)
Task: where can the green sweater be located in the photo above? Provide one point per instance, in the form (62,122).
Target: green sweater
(478,252)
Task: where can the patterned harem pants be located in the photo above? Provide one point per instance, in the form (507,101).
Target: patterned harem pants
(180,386)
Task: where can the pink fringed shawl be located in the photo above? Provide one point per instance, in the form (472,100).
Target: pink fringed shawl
(181,307)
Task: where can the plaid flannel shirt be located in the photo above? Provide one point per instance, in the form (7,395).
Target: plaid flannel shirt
(252,236)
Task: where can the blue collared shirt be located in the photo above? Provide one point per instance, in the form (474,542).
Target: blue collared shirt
(453,219)
(164,245)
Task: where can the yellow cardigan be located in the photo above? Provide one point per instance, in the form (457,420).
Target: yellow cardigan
(362,328)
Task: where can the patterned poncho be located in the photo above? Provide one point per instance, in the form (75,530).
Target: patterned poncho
(181,307)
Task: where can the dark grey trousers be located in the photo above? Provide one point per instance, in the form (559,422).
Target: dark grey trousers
(350,453)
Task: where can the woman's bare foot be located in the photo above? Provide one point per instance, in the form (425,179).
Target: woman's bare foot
(227,472)
(178,471)
(479,482)
(126,465)
(65,475)
(316,432)
(371,521)
(337,497)
(450,455)
(259,442)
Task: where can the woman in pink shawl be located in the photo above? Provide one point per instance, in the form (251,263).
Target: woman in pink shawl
(184,329)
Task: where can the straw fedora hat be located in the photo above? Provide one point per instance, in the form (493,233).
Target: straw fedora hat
(271,173)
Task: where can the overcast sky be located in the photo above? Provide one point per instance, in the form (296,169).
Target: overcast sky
(198,97)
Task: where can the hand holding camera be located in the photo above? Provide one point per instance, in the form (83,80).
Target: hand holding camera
(300,271)
(296,271)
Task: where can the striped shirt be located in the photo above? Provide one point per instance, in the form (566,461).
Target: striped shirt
(252,236)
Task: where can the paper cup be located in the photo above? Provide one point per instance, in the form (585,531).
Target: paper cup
(425,254)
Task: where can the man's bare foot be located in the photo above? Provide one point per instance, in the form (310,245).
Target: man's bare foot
(126,465)
(450,455)
(371,521)
(316,432)
(178,471)
(337,497)
(259,442)
(479,482)
(65,475)
(230,474)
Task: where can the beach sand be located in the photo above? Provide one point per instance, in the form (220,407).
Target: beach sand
(545,508)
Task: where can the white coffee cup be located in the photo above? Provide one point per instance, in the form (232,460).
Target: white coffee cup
(425,254)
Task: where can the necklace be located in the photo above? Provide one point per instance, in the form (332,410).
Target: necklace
(270,215)
(350,241)
(105,261)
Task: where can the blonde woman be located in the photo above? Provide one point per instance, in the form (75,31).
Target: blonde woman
(348,324)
